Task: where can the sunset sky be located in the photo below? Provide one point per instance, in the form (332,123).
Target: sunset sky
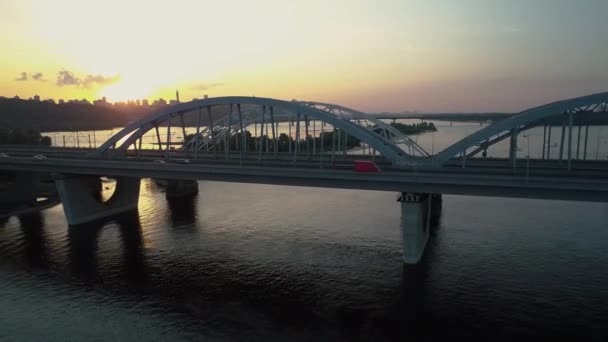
(381,55)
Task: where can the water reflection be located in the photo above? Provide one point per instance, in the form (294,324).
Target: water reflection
(83,248)
(316,264)
(182,210)
(35,246)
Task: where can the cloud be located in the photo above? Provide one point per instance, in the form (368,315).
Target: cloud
(68,78)
(99,80)
(23,77)
(206,86)
(37,76)
(33,76)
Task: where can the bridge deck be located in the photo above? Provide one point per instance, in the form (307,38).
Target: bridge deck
(483,179)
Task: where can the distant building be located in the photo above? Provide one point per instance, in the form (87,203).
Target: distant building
(173,102)
(61,101)
(144,103)
(101,102)
(37,98)
(83,101)
(159,103)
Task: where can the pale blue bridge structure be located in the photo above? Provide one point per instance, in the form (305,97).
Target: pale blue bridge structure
(270,141)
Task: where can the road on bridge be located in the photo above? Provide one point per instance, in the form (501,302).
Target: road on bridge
(484,178)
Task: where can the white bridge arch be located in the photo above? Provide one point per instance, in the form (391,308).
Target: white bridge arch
(374,124)
(564,112)
(396,147)
(228,125)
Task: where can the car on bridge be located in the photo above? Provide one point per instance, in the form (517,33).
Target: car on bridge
(366,166)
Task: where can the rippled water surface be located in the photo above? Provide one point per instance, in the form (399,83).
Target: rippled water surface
(259,262)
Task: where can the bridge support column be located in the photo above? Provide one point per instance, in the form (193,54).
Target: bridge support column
(418,211)
(80,196)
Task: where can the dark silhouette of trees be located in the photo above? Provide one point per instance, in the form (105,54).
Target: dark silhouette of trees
(47,116)
(23,137)
(415,128)
(324,141)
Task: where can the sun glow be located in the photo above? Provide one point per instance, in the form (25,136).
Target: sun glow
(125,90)
(370,54)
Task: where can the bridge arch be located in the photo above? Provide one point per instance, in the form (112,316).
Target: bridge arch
(375,125)
(121,141)
(527,119)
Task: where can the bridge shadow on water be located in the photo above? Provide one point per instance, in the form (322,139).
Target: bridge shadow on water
(83,248)
(30,245)
(222,287)
(34,239)
(409,315)
(182,210)
(214,285)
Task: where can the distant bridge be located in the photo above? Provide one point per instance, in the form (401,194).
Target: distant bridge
(261,140)
(452,117)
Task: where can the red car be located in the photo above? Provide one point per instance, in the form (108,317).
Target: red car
(366,166)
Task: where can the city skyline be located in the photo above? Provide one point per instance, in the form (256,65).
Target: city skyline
(426,56)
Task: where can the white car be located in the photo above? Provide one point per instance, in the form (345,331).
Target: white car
(181,161)
(159,162)
(39,157)
(3,155)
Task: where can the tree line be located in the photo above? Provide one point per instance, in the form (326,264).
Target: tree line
(23,137)
(47,116)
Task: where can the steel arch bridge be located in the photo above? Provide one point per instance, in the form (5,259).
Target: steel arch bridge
(376,125)
(580,111)
(229,117)
(222,127)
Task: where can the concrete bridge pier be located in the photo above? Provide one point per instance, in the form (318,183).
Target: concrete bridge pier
(418,212)
(80,196)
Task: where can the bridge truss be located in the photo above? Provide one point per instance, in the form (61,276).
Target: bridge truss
(263,128)
(252,128)
(579,113)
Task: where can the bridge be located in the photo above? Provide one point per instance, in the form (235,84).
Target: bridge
(451,117)
(270,141)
